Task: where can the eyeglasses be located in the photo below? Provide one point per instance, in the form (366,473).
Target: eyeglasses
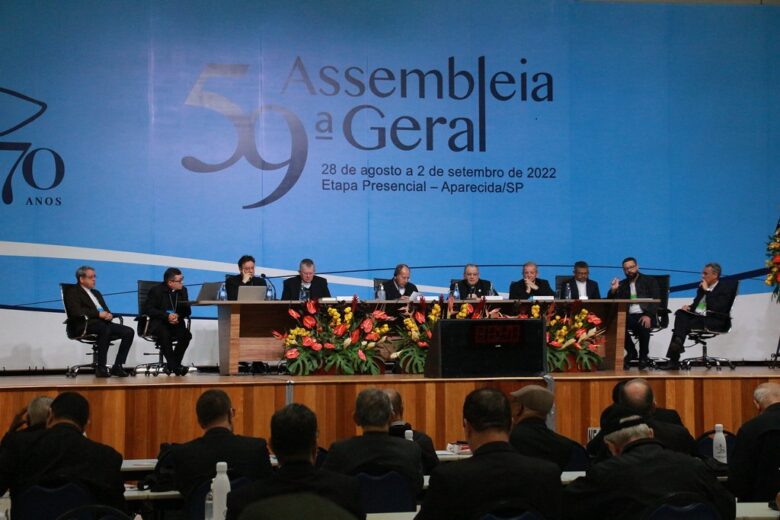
(177,281)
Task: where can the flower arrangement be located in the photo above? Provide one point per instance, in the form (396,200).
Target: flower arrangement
(573,339)
(334,340)
(773,263)
(414,334)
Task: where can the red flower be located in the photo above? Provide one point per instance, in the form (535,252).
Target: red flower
(367,325)
(469,308)
(595,320)
(372,337)
(555,344)
(776,259)
(316,347)
(422,344)
(311,306)
(361,355)
(309,322)
(329,346)
(419,317)
(355,336)
(379,315)
(278,335)
(429,334)
(579,332)
(308,341)
(340,330)
(294,314)
(291,354)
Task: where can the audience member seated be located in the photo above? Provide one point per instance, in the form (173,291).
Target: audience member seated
(472,287)
(398,428)
(29,419)
(637,395)
(749,476)
(195,462)
(400,288)
(294,441)
(530,285)
(61,453)
(376,452)
(305,286)
(640,473)
(530,434)
(167,304)
(496,475)
(244,278)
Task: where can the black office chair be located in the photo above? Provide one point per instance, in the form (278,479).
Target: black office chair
(703,444)
(295,506)
(560,279)
(76,329)
(701,336)
(661,316)
(681,506)
(154,368)
(94,512)
(508,509)
(386,493)
(38,502)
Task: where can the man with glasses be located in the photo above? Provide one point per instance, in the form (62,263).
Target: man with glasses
(245,277)
(580,287)
(167,306)
(472,287)
(84,300)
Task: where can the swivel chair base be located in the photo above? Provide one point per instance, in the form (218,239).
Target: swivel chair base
(707,361)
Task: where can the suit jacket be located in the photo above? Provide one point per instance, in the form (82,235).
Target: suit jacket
(719,301)
(533,438)
(78,304)
(496,472)
(517,290)
(482,288)
(391,293)
(591,287)
(234,282)
(374,453)
(747,472)
(646,287)
(429,458)
(195,462)
(299,477)
(292,288)
(62,454)
(622,487)
(160,300)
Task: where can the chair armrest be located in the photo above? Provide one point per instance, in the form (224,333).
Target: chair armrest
(189,322)
(143,325)
(77,325)
(121,320)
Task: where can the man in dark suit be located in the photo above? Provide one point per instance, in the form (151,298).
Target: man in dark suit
(472,287)
(641,317)
(376,452)
(580,286)
(399,427)
(530,285)
(195,462)
(305,286)
(167,306)
(61,453)
(244,278)
(400,287)
(30,419)
(753,465)
(710,309)
(83,300)
(294,441)
(496,478)
(530,434)
(639,475)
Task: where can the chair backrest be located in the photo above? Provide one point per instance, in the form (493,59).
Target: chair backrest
(94,512)
(579,461)
(507,509)
(663,308)
(65,288)
(559,281)
(196,500)
(378,282)
(37,502)
(386,493)
(528,515)
(295,505)
(681,506)
(703,446)
(143,291)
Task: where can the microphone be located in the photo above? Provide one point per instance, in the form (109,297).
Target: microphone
(269,283)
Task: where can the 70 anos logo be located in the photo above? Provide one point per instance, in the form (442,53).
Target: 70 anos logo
(246,145)
(27,156)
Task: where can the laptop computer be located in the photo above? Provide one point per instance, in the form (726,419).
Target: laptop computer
(251,293)
(209,291)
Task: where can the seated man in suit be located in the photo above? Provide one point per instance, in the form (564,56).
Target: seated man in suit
(376,452)
(472,287)
(245,277)
(84,300)
(28,420)
(294,441)
(530,285)
(530,434)
(195,462)
(305,286)
(751,478)
(710,309)
(398,428)
(61,453)
(580,287)
(167,304)
(640,473)
(496,474)
(641,318)
(400,288)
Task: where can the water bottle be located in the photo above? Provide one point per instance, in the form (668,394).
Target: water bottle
(303,295)
(220,488)
(380,292)
(455,291)
(222,294)
(567,291)
(719,451)
(209,505)
(409,435)
(269,292)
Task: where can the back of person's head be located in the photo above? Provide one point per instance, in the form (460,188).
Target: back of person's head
(70,406)
(294,433)
(535,399)
(637,395)
(396,403)
(617,390)
(487,409)
(372,409)
(766,394)
(171,273)
(624,426)
(38,410)
(213,406)
(399,268)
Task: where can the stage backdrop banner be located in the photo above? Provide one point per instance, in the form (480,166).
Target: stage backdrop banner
(136,135)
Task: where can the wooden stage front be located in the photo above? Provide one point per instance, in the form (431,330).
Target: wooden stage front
(136,414)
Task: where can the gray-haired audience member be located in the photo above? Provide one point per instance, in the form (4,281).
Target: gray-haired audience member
(29,419)
(398,428)
(376,452)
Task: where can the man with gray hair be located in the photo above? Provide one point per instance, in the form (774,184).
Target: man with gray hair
(472,286)
(306,285)
(376,452)
(29,419)
(754,462)
(710,309)
(639,475)
(530,285)
(530,434)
